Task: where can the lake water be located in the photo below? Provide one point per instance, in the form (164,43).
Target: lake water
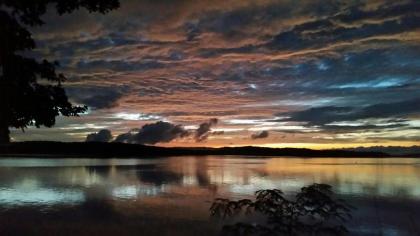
(171,196)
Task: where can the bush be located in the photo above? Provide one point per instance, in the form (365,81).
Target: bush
(313,211)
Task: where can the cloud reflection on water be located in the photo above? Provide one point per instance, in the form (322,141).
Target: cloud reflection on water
(168,188)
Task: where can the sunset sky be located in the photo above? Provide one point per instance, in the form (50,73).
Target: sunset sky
(310,73)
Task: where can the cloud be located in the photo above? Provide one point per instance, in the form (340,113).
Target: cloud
(242,59)
(340,128)
(192,31)
(96,97)
(327,115)
(159,132)
(164,132)
(260,135)
(320,115)
(125,137)
(101,136)
(221,132)
(119,65)
(254,19)
(204,129)
(350,25)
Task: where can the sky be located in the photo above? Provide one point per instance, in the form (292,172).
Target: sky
(286,73)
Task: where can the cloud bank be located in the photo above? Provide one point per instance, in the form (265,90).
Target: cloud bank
(159,132)
(314,72)
(260,135)
(204,129)
(101,136)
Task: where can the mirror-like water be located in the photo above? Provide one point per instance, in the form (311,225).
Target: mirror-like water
(171,196)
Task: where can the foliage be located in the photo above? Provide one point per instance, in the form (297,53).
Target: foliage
(313,211)
(31,92)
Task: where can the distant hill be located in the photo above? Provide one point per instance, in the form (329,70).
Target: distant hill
(390,150)
(134,150)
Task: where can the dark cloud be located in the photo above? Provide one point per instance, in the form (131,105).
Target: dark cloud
(192,31)
(96,97)
(125,137)
(319,33)
(386,10)
(64,49)
(236,22)
(218,132)
(213,52)
(352,128)
(348,60)
(321,116)
(101,136)
(119,65)
(159,132)
(260,135)
(204,129)
(346,79)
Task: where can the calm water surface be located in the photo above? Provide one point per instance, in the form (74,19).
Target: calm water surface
(171,196)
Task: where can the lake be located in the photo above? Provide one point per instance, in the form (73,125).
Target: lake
(172,196)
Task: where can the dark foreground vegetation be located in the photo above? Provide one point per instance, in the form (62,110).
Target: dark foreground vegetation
(134,150)
(313,211)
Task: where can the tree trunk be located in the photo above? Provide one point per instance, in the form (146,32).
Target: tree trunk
(4,134)
(4,105)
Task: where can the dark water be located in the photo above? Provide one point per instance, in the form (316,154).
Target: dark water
(171,196)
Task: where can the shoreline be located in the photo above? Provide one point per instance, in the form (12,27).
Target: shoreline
(122,150)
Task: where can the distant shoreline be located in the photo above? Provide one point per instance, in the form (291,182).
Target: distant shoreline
(122,150)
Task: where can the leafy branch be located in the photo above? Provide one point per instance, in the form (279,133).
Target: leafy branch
(313,211)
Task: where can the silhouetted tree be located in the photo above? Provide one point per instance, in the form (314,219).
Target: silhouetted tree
(313,211)
(31,91)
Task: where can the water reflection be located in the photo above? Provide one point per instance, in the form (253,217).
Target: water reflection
(61,178)
(167,188)
(22,196)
